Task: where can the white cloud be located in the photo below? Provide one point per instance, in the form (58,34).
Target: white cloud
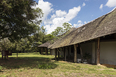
(111,3)
(60,13)
(58,17)
(46,8)
(101,6)
(85,22)
(83,4)
(79,23)
(72,13)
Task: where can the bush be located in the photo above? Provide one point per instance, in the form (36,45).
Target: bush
(46,66)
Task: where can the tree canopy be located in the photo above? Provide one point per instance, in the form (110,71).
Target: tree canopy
(18,18)
(61,30)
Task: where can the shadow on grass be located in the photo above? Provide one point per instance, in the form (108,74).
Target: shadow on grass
(28,62)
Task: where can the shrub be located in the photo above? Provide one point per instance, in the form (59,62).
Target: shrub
(46,66)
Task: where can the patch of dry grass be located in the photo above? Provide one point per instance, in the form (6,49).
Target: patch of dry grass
(35,65)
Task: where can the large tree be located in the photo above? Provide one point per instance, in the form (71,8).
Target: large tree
(18,18)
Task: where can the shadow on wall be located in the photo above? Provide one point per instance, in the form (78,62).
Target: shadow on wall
(28,62)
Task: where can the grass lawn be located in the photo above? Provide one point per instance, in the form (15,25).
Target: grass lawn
(35,65)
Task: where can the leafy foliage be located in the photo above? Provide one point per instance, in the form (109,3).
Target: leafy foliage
(5,44)
(18,18)
(46,66)
(61,30)
(28,44)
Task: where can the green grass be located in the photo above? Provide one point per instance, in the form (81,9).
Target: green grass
(36,65)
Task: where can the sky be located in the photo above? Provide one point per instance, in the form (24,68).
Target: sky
(75,12)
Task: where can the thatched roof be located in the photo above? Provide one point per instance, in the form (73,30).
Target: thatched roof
(102,26)
(48,43)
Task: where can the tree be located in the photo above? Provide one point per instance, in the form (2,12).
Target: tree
(18,18)
(5,44)
(48,37)
(66,26)
(58,31)
(61,30)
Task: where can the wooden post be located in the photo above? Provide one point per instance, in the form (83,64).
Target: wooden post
(58,54)
(68,52)
(50,52)
(75,53)
(81,54)
(46,51)
(98,52)
(55,54)
(41,51)
(64,54)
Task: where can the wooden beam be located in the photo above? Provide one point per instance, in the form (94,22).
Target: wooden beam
(98,52)
(75,53)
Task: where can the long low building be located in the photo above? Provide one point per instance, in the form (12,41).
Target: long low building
(45,46)
(95,41)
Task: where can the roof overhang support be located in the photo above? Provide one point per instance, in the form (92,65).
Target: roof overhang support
(46,49)
(98,52)
(68,52)
(50,52)
(75,53)
(58,54)
(81,54)
(64,53)
(55,54)
(41,51)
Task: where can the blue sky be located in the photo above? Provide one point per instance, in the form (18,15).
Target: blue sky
(75,12)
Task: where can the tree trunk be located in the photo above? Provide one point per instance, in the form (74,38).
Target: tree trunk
(16,48)
(2,54)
